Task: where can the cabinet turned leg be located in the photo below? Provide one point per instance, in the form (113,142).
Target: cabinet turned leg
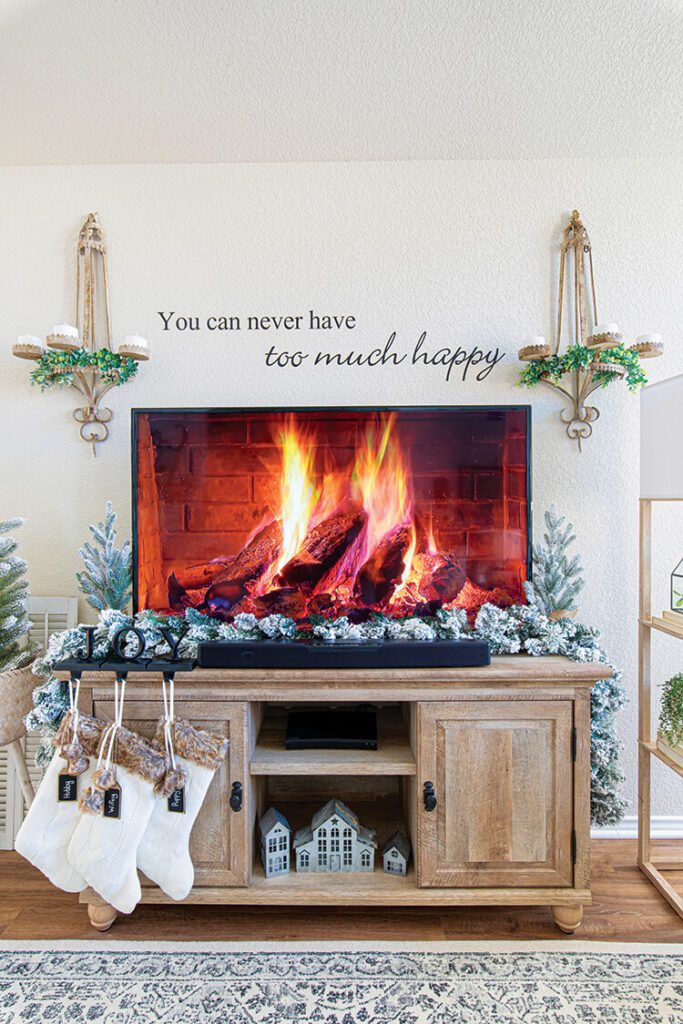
(568,918)
(102,916)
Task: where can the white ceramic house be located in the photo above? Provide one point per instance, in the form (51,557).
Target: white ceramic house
(335,841)
(275,834)
(396,854)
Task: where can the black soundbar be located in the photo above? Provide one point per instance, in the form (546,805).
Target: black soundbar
(388,654)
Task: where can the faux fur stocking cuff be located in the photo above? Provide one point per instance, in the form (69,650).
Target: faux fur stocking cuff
(203,748)
(131,751)
(89,733)
(138,756)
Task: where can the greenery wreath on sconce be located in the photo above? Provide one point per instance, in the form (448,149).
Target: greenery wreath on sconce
(579,357)
(56,368)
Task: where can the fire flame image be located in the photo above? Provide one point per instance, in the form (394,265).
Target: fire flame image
(341,536)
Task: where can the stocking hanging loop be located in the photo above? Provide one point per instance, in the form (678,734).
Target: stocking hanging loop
(72,750)
(175,776)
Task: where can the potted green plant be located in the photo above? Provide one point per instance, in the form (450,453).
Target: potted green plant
(17,681)
(670,734)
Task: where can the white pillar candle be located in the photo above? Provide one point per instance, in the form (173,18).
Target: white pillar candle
(29,339)
(606,329)
(136,340)
(643,339)
(66,329)
(540,340)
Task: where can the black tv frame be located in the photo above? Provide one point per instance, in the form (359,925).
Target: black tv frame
(135,412)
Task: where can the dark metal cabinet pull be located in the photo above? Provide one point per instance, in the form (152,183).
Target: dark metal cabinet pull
(236,796)
(429,796)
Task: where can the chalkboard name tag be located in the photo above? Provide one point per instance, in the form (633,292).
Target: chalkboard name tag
(112,802)
(67,787)
(176,801)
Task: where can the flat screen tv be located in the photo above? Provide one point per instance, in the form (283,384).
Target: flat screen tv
(330,512)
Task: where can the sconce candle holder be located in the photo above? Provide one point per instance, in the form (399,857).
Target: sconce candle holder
(82,357)
(593,360)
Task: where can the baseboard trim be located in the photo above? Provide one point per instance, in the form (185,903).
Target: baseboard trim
(663,826)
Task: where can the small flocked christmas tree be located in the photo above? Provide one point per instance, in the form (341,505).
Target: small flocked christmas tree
(557,580)
(14,622)
(106,579)
(106,582)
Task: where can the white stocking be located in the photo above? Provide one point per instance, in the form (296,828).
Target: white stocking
(50,823)
(164,855)
(45,835)
(103,849)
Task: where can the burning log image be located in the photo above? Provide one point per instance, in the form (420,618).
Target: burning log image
(322,548)
(378,578)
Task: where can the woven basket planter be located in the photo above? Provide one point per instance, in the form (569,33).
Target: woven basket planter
(16,700)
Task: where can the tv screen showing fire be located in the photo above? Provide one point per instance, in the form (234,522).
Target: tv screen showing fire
(330,512)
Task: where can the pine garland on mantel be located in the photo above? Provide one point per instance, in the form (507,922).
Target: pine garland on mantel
(518,629)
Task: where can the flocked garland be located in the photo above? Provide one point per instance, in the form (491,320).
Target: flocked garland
(519,629)
(56,368)
(578,357)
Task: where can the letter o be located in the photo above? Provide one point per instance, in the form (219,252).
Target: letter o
(119,639)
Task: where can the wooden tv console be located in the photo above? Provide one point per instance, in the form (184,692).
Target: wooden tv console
(506,747)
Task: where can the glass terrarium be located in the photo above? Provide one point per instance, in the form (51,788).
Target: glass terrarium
(677,588)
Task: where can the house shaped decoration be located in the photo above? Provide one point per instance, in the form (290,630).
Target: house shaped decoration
(275,835)
(396,854)
(335,841)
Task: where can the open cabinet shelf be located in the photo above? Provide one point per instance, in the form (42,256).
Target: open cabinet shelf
(341,887)
(385,812)
(666,626)
(394,754)
(656,752)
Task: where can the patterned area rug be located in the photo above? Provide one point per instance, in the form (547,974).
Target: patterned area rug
(325,983)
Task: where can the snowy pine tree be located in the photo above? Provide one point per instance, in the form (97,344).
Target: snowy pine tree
(557,580)
(14,623)
(106,579)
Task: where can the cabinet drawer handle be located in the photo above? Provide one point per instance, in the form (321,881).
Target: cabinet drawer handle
(236,796)
(429,796)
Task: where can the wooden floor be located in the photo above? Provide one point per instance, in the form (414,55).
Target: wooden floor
(626,908)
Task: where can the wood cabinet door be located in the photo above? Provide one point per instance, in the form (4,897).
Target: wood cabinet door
(502,773)
(219,844)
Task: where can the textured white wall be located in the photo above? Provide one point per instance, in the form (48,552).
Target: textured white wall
(250,80)
(466,251)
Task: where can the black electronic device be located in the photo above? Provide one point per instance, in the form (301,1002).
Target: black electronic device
(331,729)
(406,654)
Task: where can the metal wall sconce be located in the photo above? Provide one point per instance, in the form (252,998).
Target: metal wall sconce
(594,359)
(82,356)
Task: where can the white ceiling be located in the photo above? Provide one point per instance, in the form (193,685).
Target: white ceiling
(147,81)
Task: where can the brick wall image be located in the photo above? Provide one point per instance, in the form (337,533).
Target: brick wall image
(206,482)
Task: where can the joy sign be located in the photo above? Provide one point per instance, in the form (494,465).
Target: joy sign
(127,636)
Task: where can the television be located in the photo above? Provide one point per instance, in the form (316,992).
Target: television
(330,511)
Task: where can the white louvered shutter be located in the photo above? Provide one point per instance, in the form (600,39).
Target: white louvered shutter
(50,615)
(47,615)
